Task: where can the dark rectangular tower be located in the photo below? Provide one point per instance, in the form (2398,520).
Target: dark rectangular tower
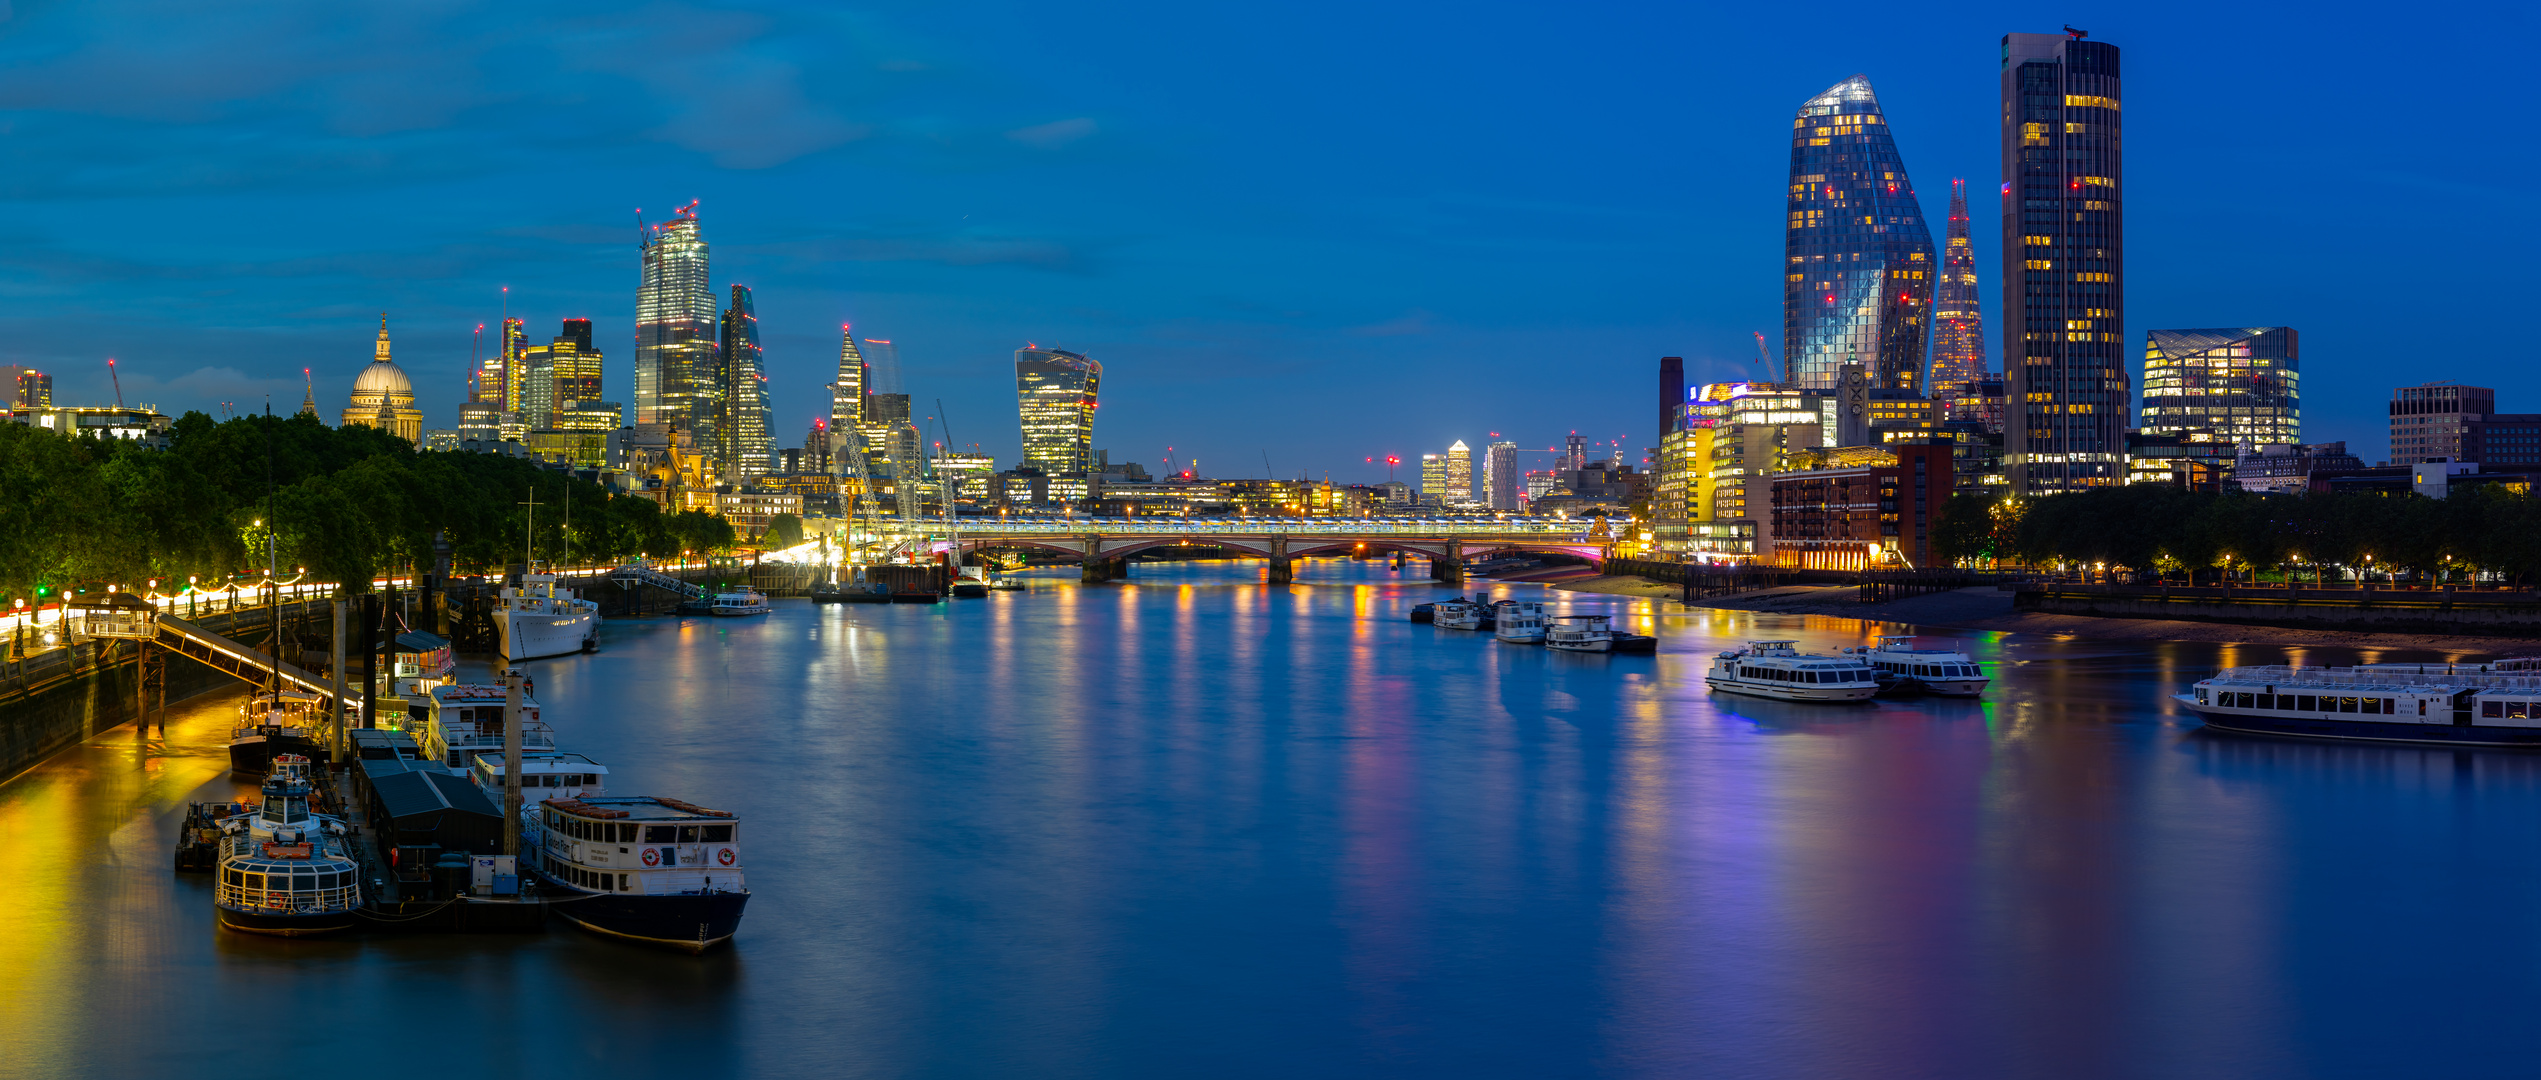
(1671,392)
(2064,269)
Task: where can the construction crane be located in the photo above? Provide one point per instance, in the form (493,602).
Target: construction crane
(1763,359)
(119,382)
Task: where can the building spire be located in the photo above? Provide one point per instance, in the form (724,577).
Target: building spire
(309,400)
(379,352)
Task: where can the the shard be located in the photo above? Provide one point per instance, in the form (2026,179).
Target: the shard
(1958,325)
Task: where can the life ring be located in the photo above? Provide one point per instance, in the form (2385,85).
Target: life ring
(652,857)
(724,856)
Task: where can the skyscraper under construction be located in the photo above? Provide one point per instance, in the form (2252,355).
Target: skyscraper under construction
(1857,259)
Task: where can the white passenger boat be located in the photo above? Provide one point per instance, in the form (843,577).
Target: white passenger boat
(1903,669)
(537,619)
(284,869)
(644,868)
(739,602)
(274,723)
(1459,615)
(1775,669)
(2447,704)
(1520,622)
(1580,633)
(464,722)
(545,774)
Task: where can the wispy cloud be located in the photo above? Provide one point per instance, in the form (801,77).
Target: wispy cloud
(1055,134)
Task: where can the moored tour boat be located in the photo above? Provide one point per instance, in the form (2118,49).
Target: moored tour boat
(2411,703)
(1775,669)
(537,619)
(1520,622)
(643,868)
(273,723)
(1460,615)
(1579,633)
(284,870)
(739,602)
(1903,669)
(465,722)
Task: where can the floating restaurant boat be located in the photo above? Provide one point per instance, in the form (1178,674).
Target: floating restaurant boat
(644,868)
(465,722)
(538,620)
(1580,633)
(283,869)
(1519,622)
(1903,669)
(1775,669)
(739,602)
(272,723)
(2446,704)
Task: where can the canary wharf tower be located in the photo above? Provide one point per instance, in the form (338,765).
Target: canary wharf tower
(2064,270)
(1858,268)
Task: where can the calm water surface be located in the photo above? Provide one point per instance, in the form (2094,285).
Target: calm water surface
(1197,826)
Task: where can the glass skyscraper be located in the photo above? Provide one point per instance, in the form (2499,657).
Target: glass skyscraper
(2243,384)
(562,372)
(745,449)
(675,328)
(1858,267)
(1055,391)
(1958,324)
(1501,480)
(2064,272)
(847,395)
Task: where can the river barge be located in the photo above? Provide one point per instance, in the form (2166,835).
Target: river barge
(2449,705)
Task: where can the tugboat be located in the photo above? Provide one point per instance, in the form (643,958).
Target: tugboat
(1775,669)
(644,868)
(1903,669)
(537,620)
(283,869)
(272,723)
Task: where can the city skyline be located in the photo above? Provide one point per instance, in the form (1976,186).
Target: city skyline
(902,260)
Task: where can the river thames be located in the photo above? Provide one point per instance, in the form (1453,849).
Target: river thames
(1193,825)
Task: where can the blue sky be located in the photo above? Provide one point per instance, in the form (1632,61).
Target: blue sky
(1313,232)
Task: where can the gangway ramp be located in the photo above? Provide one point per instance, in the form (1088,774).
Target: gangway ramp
(640,574)
(231,658)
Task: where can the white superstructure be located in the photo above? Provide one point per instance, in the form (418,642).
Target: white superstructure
(1580,633)
(1902,667)
(1520,622)
(1775,669)
(538,620)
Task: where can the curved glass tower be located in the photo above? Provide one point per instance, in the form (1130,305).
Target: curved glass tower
(675,328)
(1858,268)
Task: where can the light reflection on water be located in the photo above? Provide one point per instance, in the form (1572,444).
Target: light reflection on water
(1198,825)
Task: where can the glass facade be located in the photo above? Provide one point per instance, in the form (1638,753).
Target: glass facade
(1958,324)
(675,328)
(2064,271)
(744,448)
(2244,384)
(847,395)
(1858,266)
(1500,475)
(560,373)
(1459,474)
(1055,392)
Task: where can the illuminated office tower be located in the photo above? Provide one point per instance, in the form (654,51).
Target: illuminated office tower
(1055,391)
(1857,259)
(1459,474)
(25,388)
(1958,324)
(1433,480)
(558,374)
(885,409)
(847,395)
(744,449)
(2064,271)
(515,343)
(675,328)
(2244,384)
(1501,480)
(492,379)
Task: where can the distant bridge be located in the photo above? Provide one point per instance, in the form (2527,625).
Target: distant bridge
(1103,545)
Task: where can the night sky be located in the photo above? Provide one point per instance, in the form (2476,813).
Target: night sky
(1312,232)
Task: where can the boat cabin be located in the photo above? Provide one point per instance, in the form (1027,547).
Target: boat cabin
(464,721)
(639,845)
(545,775)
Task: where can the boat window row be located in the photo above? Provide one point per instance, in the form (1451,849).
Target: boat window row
(617,832)
(299,880)
(589,879)
(1805,675)
(2322,703)
(2510,710)
(287,808)
(1936,671)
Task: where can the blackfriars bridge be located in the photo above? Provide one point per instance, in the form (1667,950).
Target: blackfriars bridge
(1104,545)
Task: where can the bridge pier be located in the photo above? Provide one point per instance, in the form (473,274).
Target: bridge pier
(1283,570)
(1450,566)
(1097,569)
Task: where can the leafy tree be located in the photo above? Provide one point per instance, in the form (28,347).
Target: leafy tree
(784,531)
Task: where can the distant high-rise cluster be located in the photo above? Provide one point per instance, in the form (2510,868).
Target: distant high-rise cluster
(1055,393)
(1858,268)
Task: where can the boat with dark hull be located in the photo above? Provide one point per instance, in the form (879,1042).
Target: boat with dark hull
(274,723)
(2447,705)
(643,868)
(285,870)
